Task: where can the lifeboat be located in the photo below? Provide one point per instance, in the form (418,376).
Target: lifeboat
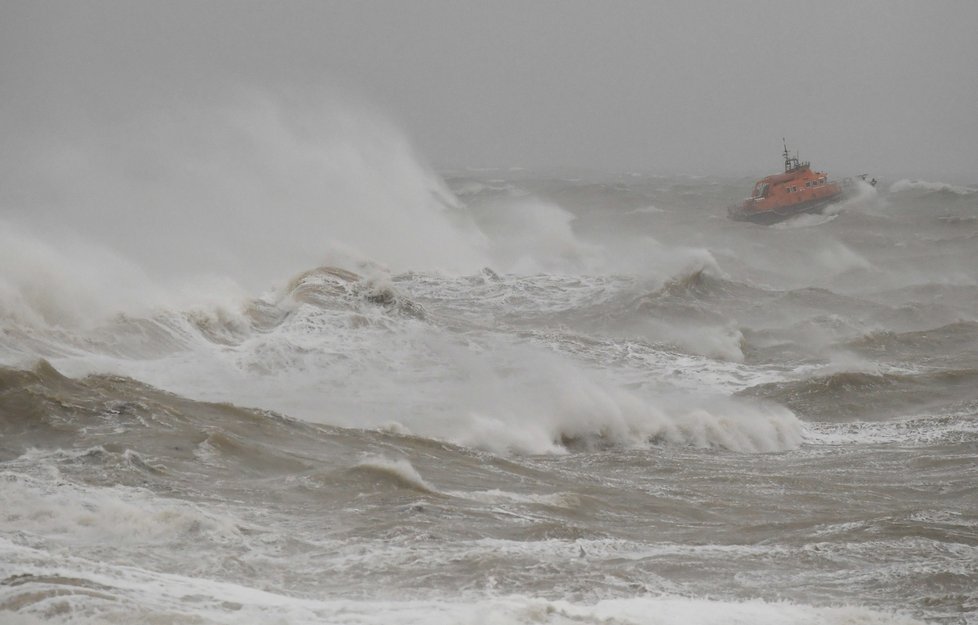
(798,190)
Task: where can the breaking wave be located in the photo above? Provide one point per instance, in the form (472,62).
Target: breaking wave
(398,472)
(905,184)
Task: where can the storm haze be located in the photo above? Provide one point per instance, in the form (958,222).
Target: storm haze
(698,88)
(467,312)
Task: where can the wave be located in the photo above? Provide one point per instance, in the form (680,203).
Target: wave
(941,342)
(115,340)
(701,283)
(135,432)
(861,197)
(645,210)
(126,517)
(928,431)
(915,293)
(551,407)
(905,184)
(401,474)
(67,282)
(820,299)
(398,472)
(691,312)
(853,395)
(554,408)
(805,221)
(98,594)
(332,286)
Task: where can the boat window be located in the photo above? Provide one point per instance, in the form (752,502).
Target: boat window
(761,189)
(808,184)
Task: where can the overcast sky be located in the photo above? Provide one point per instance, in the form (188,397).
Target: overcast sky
(666,87)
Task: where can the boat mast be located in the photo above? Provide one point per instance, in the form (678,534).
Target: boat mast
(790,162)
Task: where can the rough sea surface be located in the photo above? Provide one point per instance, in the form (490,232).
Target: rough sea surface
(628,409)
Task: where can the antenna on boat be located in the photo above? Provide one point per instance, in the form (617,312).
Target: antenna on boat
(789,161)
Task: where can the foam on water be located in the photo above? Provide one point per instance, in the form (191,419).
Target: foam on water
(584,373)
(125,593)
(861,197)
(75,590)
(52,511)
(805,221)
(916,432)
(325,347)
(529,401)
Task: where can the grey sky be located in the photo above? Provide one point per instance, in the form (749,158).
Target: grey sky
(671,87)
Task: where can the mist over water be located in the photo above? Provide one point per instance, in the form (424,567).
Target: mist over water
(259,361)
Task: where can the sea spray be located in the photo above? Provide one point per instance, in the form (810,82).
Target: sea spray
(253,189)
